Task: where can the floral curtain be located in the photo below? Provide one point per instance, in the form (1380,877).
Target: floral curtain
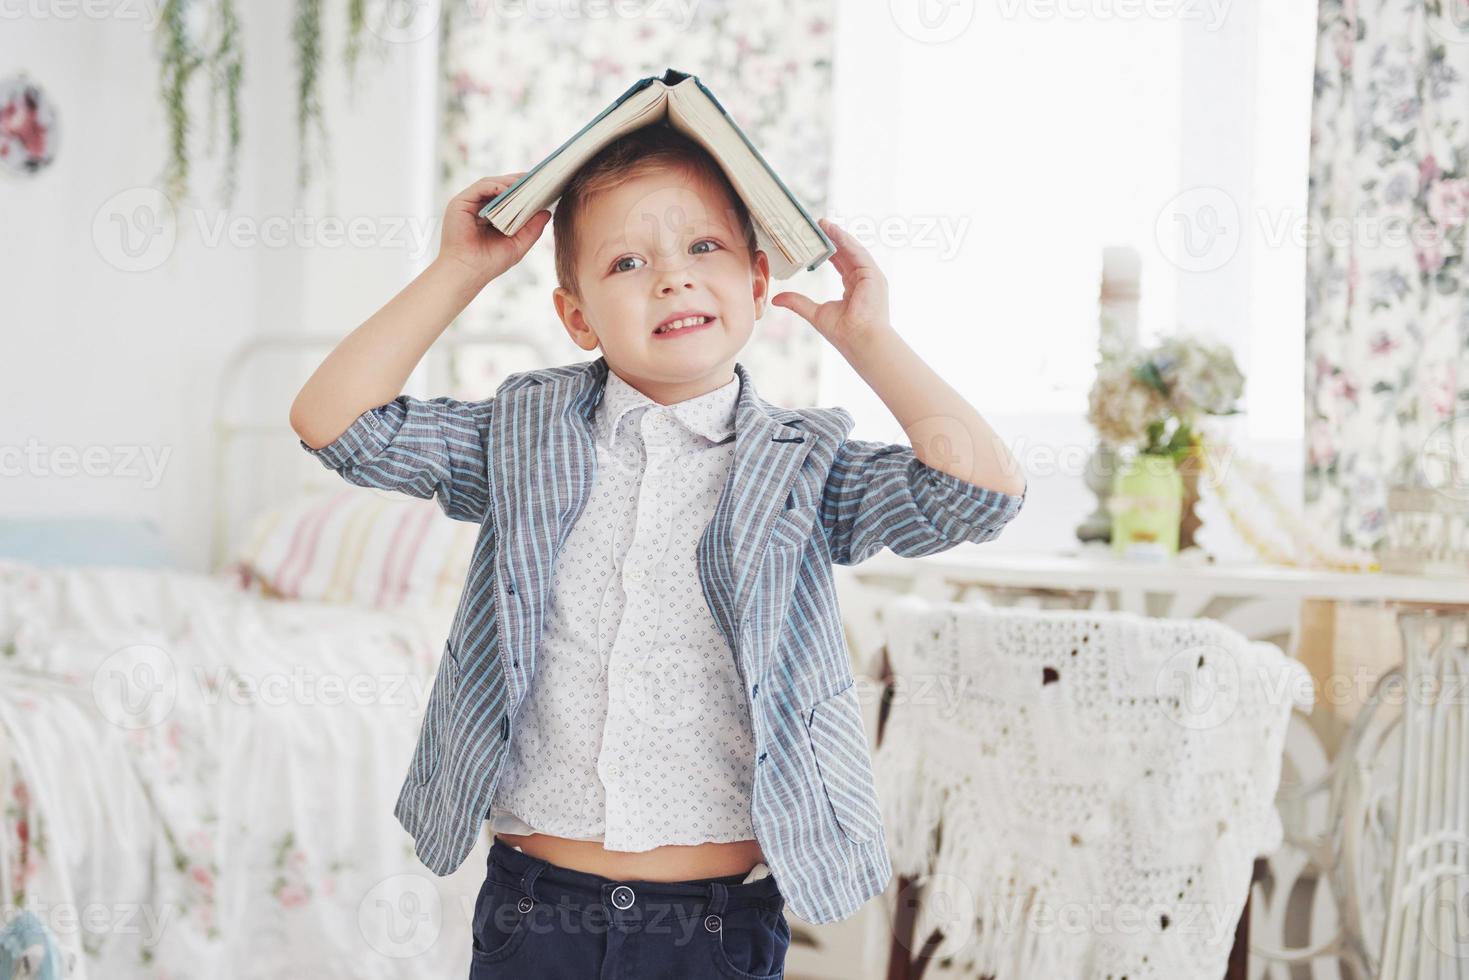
(516,87)
(1387,317)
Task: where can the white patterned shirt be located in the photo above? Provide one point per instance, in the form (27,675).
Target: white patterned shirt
(636,730)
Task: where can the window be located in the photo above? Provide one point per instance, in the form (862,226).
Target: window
(988,171)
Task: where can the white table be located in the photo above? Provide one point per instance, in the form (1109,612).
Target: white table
(1263,602)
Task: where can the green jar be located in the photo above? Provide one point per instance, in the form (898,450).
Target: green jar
(1146,504)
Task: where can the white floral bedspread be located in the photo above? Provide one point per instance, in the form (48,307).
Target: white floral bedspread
(198,782)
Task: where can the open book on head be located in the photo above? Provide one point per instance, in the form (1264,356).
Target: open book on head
(789,236)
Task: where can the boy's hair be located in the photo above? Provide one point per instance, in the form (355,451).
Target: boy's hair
(645,150)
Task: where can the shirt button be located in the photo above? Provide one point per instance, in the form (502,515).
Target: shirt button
(637,574)
(615,772)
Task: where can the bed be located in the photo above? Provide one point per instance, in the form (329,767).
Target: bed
(197,770)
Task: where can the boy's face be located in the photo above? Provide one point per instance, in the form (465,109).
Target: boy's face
(652,247)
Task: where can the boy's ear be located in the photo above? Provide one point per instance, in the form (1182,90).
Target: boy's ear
(761,277)
(568,308)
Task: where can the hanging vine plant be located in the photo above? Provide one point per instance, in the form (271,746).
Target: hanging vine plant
(227,69)
(356,23)
(177,64)
(306,32)
(197,35)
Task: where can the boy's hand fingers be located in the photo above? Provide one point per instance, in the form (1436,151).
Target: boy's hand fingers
(488,187)
(531,230)
(800,305)
(851,254)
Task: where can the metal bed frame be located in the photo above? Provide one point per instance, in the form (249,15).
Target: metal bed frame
(227,431)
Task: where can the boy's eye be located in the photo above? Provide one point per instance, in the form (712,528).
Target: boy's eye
(617,266)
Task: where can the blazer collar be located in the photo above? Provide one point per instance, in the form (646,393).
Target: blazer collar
(588,384)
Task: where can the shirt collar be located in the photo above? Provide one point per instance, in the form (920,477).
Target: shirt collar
(711,415)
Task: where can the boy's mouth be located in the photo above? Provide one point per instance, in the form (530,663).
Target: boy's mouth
(683,323)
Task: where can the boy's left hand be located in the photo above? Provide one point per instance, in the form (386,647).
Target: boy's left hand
(863,309)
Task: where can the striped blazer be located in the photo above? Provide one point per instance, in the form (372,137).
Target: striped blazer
(800,497)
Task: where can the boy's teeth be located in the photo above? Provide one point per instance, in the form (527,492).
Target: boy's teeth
(687,321)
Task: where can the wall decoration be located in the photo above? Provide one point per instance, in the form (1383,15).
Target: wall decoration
(27,127)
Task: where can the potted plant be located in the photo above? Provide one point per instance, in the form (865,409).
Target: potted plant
(1148,405)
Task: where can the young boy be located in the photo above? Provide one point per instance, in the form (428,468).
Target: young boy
(646,689)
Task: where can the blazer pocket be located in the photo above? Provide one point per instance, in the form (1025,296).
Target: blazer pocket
(793,527)
(436,714)
(839,744)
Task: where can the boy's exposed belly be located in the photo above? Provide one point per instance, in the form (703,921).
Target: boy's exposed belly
(670,862)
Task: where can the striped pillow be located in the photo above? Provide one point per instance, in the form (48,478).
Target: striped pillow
(361,548)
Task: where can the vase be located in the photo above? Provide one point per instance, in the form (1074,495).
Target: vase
(1146,504)
(1101,470)
(1188,519)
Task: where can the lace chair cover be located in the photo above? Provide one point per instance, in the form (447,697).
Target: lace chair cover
(1082,794)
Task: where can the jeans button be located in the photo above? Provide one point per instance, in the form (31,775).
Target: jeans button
(622,897)
(711,922)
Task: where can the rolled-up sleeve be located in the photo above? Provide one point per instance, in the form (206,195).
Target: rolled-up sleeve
(882,495)
(426,448)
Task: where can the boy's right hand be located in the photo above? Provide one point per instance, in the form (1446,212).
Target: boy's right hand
(476,244)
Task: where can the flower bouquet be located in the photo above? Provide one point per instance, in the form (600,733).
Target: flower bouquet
(1148,404)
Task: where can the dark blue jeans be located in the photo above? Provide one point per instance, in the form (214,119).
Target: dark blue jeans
(535,919)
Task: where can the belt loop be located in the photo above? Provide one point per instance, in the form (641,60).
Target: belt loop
(528,880)
(718,893)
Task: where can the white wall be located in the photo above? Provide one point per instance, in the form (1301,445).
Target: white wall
(130,361)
